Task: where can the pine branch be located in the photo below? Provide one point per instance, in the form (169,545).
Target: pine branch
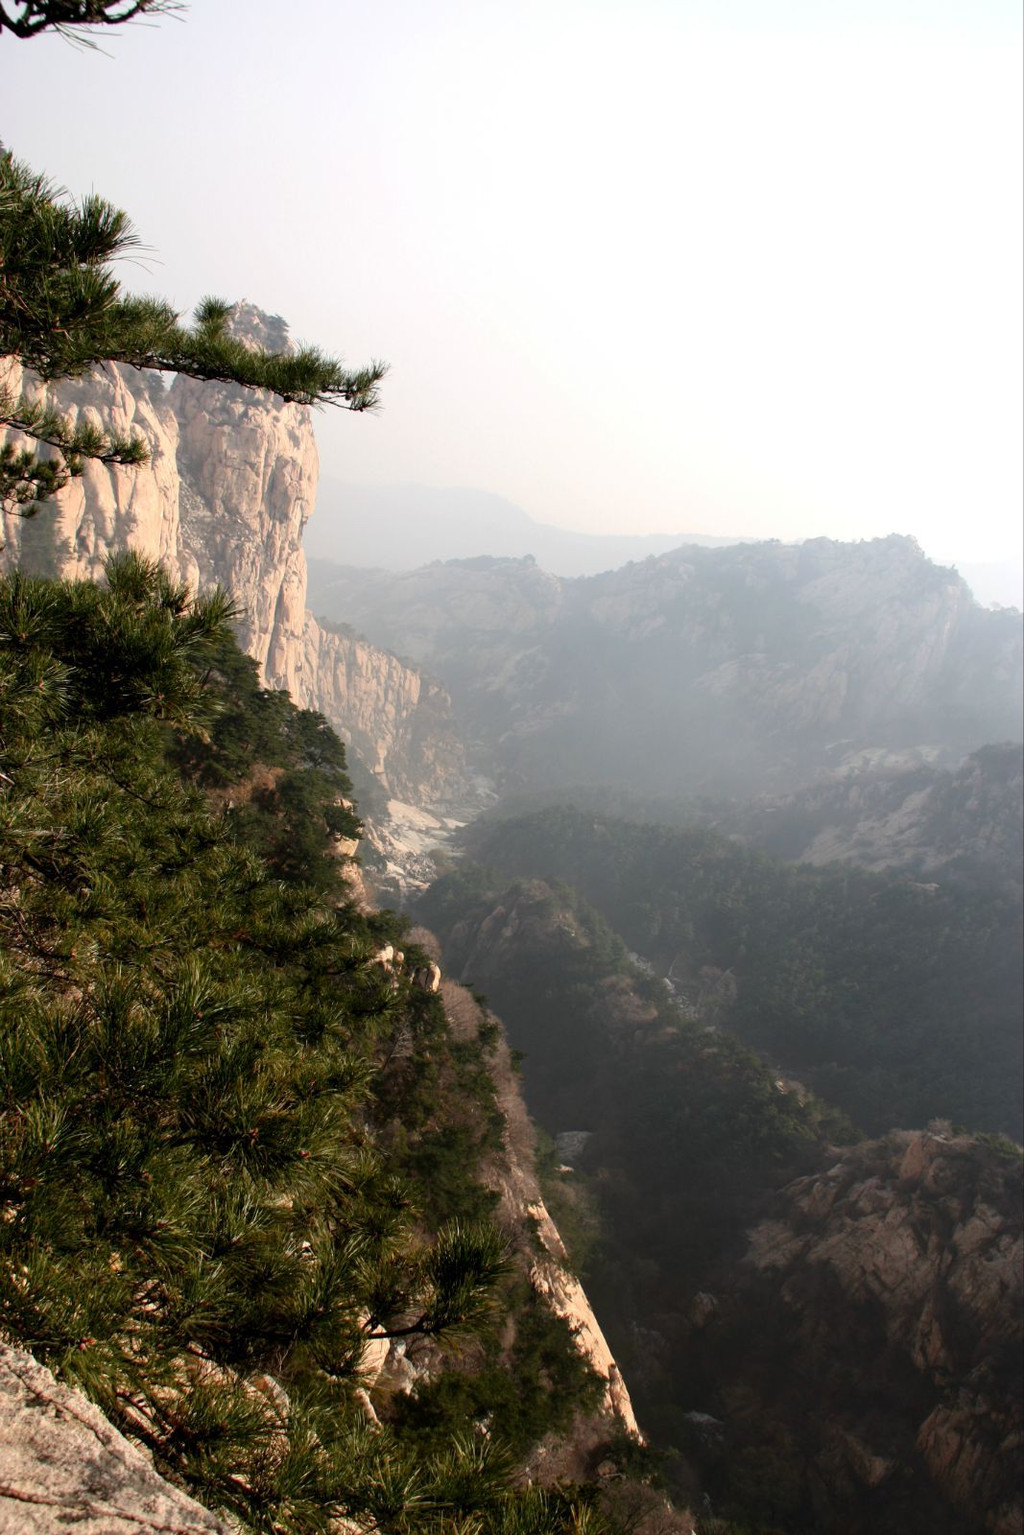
(29,18)
(26,480)
(62,311)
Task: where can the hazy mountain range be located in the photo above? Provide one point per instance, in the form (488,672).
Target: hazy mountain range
(400,527)
(736,670)
(425,523)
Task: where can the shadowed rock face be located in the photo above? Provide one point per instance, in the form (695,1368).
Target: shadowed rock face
(229,487)
(63,1466)
(876,1328)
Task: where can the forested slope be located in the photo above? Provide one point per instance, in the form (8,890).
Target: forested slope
(897,1000)
(830,1354)
(240,1153)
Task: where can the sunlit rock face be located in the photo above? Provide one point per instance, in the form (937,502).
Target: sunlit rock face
(900,810)
(63,1466)
(107,508)
(895,1280)
(230,484)
(249,470)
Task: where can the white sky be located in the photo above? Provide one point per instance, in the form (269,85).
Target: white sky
(741,266)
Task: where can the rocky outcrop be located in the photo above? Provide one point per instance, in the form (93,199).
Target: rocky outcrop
(895,1277)
(249,469)
(229,487)
(398,719)
(107,508)
(62,1466)
(898,810)
(522,1208)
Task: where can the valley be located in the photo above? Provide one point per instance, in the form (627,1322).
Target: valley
(729,839)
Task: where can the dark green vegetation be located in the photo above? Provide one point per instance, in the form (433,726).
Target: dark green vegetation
(233,1147)
(693,1139)
(62,312)
(689,1136)
(896,1001)
(520,1396)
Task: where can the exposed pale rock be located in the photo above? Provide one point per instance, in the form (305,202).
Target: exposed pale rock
(229,486)
(108,508)
(521,1204)
(567,1299)
(62,1466)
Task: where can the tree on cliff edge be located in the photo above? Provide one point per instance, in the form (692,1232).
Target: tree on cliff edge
(63,313)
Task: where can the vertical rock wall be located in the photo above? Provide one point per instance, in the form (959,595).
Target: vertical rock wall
(229,487)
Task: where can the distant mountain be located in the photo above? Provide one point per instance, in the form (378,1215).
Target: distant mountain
(400,527)
(900,814)
(749,669)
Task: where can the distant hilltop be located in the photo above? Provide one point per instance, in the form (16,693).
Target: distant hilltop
(401,527)
(747,669)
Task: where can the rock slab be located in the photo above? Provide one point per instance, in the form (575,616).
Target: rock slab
(64,1467)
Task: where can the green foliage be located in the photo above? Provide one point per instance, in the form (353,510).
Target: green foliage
(437,1097)
(201,1225)
(280,771)
(517,1393)
(897,1002)
(63,313)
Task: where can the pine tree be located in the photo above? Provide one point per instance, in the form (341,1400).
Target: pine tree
(199,1221)
(63,313)
(74,18)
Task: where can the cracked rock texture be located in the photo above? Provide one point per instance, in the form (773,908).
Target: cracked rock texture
(62,1466)
(892,1284)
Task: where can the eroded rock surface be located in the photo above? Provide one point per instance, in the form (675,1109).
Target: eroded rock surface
(62,1466)
(895,1278)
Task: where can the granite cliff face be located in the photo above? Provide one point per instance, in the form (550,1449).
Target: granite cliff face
(63,1466)
(892,810)
(703,670)
(229,487)
(107,508)
(887,1290)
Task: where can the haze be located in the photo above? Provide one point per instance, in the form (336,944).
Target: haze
(736,268)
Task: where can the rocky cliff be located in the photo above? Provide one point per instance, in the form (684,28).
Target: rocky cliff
(229,487)
(886,1289)
(893,810)
(703,670)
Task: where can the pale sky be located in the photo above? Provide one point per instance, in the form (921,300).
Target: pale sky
(717,266)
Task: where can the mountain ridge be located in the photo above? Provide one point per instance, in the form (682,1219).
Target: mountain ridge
(734,670)
(405,526)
